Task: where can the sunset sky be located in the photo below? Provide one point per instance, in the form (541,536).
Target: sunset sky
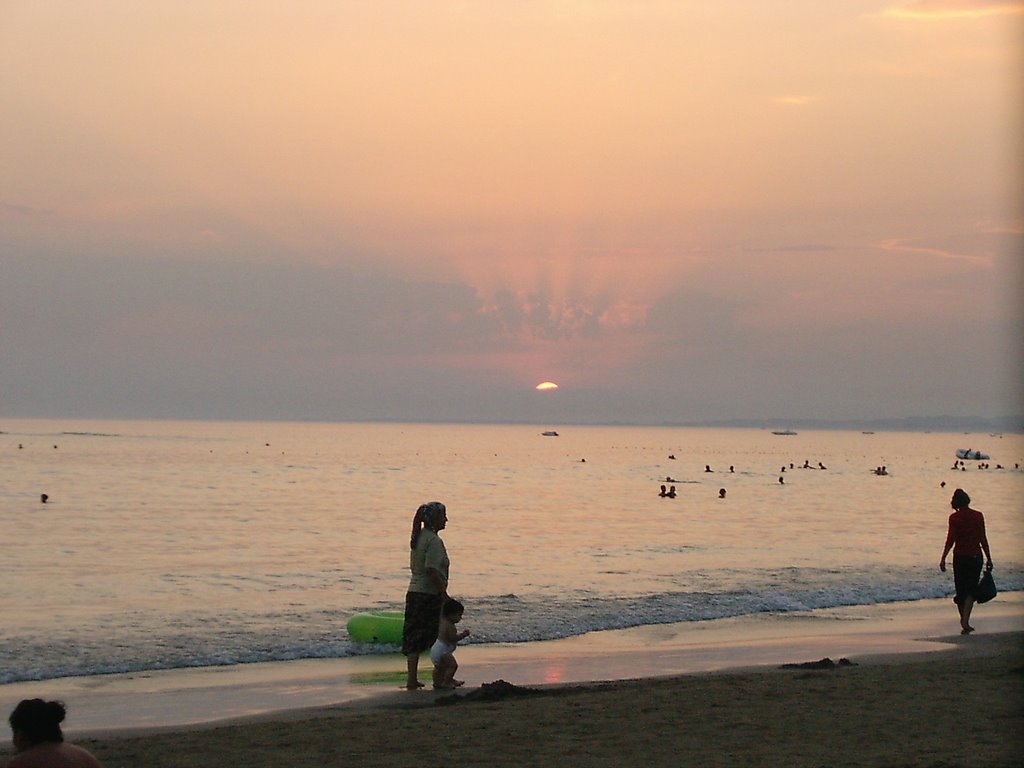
(677,210)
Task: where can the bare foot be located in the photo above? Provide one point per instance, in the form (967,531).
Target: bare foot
(414,687)
(966,630)
(443,687)
(457,683)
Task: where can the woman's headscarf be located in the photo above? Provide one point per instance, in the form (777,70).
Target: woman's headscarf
(427,515)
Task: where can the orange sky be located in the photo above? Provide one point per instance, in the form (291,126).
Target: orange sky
(618,196)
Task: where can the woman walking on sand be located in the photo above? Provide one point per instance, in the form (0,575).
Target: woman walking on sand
(428,586)
(966,537)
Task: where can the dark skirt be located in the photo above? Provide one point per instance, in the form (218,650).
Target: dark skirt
(422,617)
(966,574)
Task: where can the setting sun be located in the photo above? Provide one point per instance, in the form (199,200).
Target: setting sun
(546,386)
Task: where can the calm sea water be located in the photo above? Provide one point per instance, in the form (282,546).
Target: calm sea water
(172,544)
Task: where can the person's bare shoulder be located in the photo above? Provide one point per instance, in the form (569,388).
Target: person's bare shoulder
(88,760)
(54,756)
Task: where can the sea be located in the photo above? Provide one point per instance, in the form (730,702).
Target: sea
(173,544)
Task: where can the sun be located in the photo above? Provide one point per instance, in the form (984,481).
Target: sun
(546,386)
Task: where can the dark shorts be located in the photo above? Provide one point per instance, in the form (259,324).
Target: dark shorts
(422,617)
(966,574)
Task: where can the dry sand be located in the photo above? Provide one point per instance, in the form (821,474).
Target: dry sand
(959,707)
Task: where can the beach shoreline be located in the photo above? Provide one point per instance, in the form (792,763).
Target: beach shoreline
(152,702)
(891,709)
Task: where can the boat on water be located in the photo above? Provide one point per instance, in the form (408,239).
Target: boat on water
(783,432)
(552,433)
(967,453)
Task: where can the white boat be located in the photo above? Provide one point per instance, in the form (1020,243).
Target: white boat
(967,453)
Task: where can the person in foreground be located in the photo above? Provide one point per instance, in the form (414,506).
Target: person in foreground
(38,740)
(428,586)
(966,537)
(442,653)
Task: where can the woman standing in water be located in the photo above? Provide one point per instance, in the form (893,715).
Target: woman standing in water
(39,741)
(966,537)
(428,586)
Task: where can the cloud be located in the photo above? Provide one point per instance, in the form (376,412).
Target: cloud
(940,10)
(23,210)
(799,248)
(794,101)
(908,246)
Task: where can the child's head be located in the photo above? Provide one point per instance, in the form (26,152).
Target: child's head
(452,609)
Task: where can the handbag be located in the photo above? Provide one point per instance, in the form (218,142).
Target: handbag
(986,588)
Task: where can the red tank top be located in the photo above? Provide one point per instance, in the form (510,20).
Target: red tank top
(966,532)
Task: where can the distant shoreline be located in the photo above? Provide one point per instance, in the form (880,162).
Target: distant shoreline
(995,427)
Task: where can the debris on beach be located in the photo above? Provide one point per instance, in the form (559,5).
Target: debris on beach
(825,663)
(496,691)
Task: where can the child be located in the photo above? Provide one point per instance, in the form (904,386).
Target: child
(443,651)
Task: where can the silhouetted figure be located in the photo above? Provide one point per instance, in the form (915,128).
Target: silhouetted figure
(671,491)
(44,498)
(966,537)
(721,493)
(38,739)
(663,493)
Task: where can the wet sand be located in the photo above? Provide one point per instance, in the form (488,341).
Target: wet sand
(901,702)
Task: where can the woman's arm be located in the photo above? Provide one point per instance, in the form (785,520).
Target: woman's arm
(950,537)
(984,546)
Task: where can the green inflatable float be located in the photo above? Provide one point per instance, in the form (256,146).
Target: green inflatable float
(383,627)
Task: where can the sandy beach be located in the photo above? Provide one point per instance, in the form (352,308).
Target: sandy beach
(736,692)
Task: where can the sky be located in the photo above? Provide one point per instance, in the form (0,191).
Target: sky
(678,211)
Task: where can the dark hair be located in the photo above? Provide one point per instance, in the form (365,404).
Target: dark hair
(425,515)
(39,721)
(960,499)
(452,607)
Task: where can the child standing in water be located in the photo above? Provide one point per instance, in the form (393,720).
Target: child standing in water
(443,651)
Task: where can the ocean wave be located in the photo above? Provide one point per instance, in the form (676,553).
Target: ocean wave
(201,640)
